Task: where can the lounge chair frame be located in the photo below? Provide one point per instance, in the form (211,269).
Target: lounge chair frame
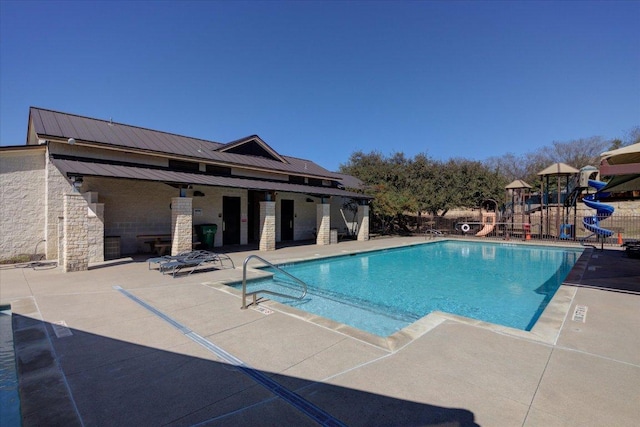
(190,259)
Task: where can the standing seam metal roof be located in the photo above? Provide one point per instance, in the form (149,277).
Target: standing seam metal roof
(54,124)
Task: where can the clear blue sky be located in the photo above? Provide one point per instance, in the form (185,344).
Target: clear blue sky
(320,80)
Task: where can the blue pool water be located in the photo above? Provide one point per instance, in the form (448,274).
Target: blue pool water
(382,292)
(9,398)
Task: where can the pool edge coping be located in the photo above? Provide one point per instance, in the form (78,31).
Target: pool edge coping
(546,329)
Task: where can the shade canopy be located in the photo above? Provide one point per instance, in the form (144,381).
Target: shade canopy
(623,166)
(517,184)
(558,169)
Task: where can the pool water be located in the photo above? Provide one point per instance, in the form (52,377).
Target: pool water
(384,291)
(9,398)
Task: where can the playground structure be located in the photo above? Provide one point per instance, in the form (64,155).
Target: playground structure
(552,214)
(592,223)
(568,205)
(559,217)
(488,223)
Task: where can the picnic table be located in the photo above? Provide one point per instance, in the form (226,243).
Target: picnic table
(158,243)
(161,243)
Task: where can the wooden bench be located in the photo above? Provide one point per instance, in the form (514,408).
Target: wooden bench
(164,247)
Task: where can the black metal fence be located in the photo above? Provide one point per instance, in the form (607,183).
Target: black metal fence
(622,228)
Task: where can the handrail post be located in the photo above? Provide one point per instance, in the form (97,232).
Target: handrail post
(244,282)
(265,291)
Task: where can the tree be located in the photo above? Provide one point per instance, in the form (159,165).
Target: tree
(387,180)
(400,185)
(577,153)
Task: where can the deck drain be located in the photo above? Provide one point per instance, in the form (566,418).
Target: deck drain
(61,329)
(580,313)
(264,310)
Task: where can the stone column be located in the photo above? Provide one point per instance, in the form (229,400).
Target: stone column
(363,222)
(95,226)
(75,243)
(323,223)
(267,226)
(60,242)
(181,225)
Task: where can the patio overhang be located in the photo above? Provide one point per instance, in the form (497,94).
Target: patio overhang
(72,168)
(623,166)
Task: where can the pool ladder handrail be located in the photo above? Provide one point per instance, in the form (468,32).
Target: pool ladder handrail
(266,291)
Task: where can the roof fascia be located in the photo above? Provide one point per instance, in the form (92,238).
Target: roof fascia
(32,147)
(621,169)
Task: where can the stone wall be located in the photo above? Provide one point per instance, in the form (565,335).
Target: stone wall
(22,214)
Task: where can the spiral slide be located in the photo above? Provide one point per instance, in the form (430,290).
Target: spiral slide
(592,223)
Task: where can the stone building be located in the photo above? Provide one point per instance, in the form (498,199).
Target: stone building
(81,186)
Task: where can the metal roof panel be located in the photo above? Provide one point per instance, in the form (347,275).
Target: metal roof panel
(83,168)
(62,125)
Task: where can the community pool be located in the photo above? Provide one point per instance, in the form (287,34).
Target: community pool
(384,291)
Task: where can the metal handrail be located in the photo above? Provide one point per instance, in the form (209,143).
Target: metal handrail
(266,291)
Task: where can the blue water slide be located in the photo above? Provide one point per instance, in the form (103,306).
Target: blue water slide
(592,223)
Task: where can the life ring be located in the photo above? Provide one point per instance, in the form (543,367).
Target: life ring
(465,228)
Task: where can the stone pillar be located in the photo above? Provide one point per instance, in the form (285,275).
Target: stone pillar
(267,226)
(181,225)
(95,226)
(95,232)
(323,223)
(363,222)
(75,242)
(60,239)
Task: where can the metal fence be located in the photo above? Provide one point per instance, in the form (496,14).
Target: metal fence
(624,228)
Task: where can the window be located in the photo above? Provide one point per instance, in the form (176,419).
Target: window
(181,165)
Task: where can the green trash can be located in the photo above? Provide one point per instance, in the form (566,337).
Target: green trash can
(206,234)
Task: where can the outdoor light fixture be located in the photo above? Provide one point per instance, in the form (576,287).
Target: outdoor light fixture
(77,183)
(71,141)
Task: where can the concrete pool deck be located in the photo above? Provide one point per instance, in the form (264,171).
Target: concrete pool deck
(122,345)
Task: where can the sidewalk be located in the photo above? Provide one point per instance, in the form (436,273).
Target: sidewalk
(122,345)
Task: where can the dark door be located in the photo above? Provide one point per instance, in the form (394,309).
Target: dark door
(253,213)
(230,220)
(286,220)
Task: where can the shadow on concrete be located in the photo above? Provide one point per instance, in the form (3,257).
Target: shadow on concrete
(610,270)
(70,377)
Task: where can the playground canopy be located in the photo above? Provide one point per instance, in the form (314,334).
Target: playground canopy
(623,165)
(561,169)
(517,184)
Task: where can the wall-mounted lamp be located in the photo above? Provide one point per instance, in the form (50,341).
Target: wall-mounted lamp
(76,181)
(71,141)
